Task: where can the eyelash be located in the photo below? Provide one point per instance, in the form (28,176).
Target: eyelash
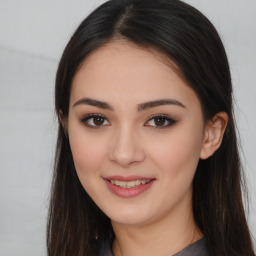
(91,116)
(164,118)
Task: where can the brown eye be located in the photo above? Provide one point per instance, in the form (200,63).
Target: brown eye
(95,121)
(160,122)
(98,120)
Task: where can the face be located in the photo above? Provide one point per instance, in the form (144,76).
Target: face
(136,133)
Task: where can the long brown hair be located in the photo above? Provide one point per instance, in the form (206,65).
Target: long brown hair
(76,226)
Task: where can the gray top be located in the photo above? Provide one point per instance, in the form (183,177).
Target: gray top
(199,248)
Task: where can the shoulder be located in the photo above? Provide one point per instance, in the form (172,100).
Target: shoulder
(199,248)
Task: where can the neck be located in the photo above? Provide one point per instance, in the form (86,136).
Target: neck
(164,237)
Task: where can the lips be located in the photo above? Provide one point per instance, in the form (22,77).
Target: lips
(128,186)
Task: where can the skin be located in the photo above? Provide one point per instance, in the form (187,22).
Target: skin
(128,141)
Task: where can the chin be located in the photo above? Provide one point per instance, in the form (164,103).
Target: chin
(129,221)
(130,217)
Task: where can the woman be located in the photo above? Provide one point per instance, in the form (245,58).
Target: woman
(147,160)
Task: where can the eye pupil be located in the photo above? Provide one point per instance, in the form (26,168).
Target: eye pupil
(159,121)
(98,120)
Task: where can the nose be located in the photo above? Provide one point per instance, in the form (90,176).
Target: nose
(126,148)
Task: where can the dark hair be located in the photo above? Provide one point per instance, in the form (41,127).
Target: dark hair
(76,226)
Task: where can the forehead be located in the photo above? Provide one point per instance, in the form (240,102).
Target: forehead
(124,71)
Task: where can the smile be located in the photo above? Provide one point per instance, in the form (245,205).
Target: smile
(129,184)
(127,187)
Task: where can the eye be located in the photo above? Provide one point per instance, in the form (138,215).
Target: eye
(160,121)
(95,120)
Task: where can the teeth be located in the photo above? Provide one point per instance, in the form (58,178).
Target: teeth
(137,182)
(129,184)
(120,183)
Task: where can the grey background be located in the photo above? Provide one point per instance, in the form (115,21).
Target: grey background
(33,34)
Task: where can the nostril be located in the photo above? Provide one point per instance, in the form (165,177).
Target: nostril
(125,149)
(127,158)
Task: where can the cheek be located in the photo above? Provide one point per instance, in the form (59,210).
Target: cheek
(178,154)
(87,153)
(176,159)
(88,156)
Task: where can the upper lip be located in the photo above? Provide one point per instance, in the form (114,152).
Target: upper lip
(127,178)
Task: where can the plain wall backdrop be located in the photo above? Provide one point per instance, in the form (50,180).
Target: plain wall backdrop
(33,35)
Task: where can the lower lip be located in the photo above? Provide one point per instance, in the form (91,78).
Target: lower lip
(128,192)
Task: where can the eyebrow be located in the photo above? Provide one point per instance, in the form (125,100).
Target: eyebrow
(141,107)
(92,102)
(156,103)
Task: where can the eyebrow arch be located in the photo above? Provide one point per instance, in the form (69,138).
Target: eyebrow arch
(141,107)
(92,102)
(156,103)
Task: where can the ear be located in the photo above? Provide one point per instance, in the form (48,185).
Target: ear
(214,132)
(61,117)
(63,121)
